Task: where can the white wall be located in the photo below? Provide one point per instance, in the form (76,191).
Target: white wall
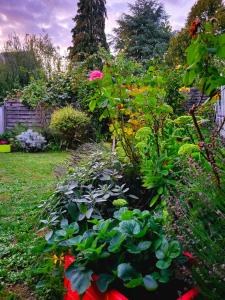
(220,111)
(2,121)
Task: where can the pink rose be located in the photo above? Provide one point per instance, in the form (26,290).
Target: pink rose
(95,75)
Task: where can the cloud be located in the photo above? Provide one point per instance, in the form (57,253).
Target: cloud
(55,17)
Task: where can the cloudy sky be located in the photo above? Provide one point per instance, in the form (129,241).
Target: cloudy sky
(55,16)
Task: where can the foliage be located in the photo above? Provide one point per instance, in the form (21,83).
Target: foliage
(145,32)
(34,93)
(207,9)
(204,10)
(199,223)
(200,54)
(89,32)
(88,191)
(21,60)
(72,125)
(130,247)
(31,141)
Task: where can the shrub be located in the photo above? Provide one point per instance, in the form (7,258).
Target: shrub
(31,141)
(72,125)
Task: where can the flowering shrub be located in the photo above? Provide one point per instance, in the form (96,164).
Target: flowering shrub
(96,75)
(31,141)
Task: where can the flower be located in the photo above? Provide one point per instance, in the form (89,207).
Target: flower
(3,142)
(96,74)
(191,294)
(191,258)
(184,90)
(194,28)
(58,259)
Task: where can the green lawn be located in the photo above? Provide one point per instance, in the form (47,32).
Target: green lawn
(25,180)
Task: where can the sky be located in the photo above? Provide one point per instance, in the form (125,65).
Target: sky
(55,17)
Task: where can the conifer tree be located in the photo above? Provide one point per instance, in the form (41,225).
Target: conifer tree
(144,33)
(89,31)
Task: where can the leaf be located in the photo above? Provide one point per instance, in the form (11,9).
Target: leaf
(164,276)
(116,242)
(154,200)
(174,249)
(49,235)
(130,227)
(150,283)
(80,279)
(125,271)
(160,254)
(163,264)
(142,246)
(92,105)
(104,281)
(64,223)
(134,283)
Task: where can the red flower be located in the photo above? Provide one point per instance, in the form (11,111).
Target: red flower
(190,294)
(191,258)
(194,28)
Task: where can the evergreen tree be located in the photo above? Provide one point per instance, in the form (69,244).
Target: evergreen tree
(145,32)
(204,10)
(89,31)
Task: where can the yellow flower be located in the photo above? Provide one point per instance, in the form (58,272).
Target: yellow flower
(128,131)
(134,122)
(138,91)
(184,90)
(57,259)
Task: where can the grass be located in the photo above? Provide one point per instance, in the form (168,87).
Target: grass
(25,180)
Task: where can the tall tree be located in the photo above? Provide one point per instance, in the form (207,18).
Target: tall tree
(145,32)
(204,10)
(89,31)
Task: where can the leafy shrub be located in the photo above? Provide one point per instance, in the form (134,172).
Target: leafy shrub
(72,125)
(34,93)
(89,191)
(130,248)
(197,212)
(31,141)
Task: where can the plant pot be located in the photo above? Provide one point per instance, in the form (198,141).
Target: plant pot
(92,292)
(5,148)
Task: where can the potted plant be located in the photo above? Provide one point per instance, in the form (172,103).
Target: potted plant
(5,146)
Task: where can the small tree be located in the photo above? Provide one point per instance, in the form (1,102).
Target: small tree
(89,32)
(145,32)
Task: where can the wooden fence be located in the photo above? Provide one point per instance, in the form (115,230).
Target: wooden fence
(17,113)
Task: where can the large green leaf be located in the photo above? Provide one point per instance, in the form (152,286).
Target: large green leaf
(150,283)
(130,227)
(126,272)
(116,242)
(80,278)
(163,264)
(136,249)
(104,281)
(174,249)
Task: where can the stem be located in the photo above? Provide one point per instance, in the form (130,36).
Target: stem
(209,154)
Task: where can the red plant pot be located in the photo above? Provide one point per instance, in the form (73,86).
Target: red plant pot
(92,292)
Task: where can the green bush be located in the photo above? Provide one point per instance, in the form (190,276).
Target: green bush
(73,126)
